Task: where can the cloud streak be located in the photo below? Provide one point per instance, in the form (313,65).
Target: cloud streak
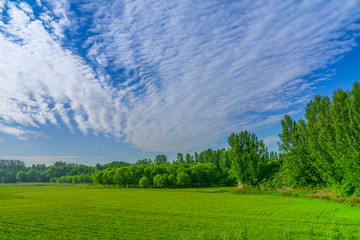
(165,76)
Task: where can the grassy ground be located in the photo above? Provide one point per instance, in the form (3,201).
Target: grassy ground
(90,212)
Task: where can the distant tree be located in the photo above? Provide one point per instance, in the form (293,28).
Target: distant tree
(196,175)
(59,164)
(53,180)
(224,161)
(157,181)
(210,156)
(160,159)
(172,180)
(144,182)
(136,172)
(196,157)
(122,176)
(144,161)
(39,167)
(98,178)
(32,175)
(189,158)
(183,180)
(8,177)
(12,165)
(21,176)
(180,158)
(161,181)
(108,176)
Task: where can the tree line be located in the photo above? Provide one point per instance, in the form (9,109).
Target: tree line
(321,150)
(210,167)
(324,148)
(165,175)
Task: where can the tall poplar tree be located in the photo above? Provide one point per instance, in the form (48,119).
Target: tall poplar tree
(248,157)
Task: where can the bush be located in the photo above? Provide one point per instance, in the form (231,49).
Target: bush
(347,189)
(183,180)
(172,179)
(53,180)
(144,182)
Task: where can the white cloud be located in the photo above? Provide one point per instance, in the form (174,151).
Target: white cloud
(210,70)
(271,140)
(42,82)
(168,75)
(16,131)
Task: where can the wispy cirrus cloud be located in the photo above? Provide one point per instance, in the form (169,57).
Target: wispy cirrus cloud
(165,75)
(271,140)
(42,82)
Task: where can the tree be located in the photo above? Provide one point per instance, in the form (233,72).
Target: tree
(180,158)
(144,182)
(196,157)
(144,161)
(122,176)
(248,157)
(172,179)
(32,175)
(160,159)
(99,177)
(161,181)
(9,177)
(183,180)
(21,176)
(157,181)
(354,149)
(224,161)
(298,164)
(189,158)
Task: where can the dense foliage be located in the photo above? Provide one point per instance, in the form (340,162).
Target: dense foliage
(249,157)
(210,167)
(12,171)
(321,150)
(324,149)
(165,175)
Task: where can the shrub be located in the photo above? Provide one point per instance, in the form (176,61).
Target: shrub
(144,182)
(347,189)
(183,180)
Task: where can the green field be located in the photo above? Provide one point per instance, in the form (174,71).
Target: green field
(93,212)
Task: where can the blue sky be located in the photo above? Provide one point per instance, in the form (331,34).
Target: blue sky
(93,82)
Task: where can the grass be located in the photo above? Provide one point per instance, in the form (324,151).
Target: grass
(92,212)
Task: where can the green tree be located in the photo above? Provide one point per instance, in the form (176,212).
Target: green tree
(21,176)
(196,157)
(32,175)
(189,158)
(160,159)
(98,178)
(297,162)
(172,179)
(157,180)
(183,180)
(248,157)
(144,182)
(354,141)
(8,177)
(180,158)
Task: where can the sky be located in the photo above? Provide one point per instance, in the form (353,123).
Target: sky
(121,80)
